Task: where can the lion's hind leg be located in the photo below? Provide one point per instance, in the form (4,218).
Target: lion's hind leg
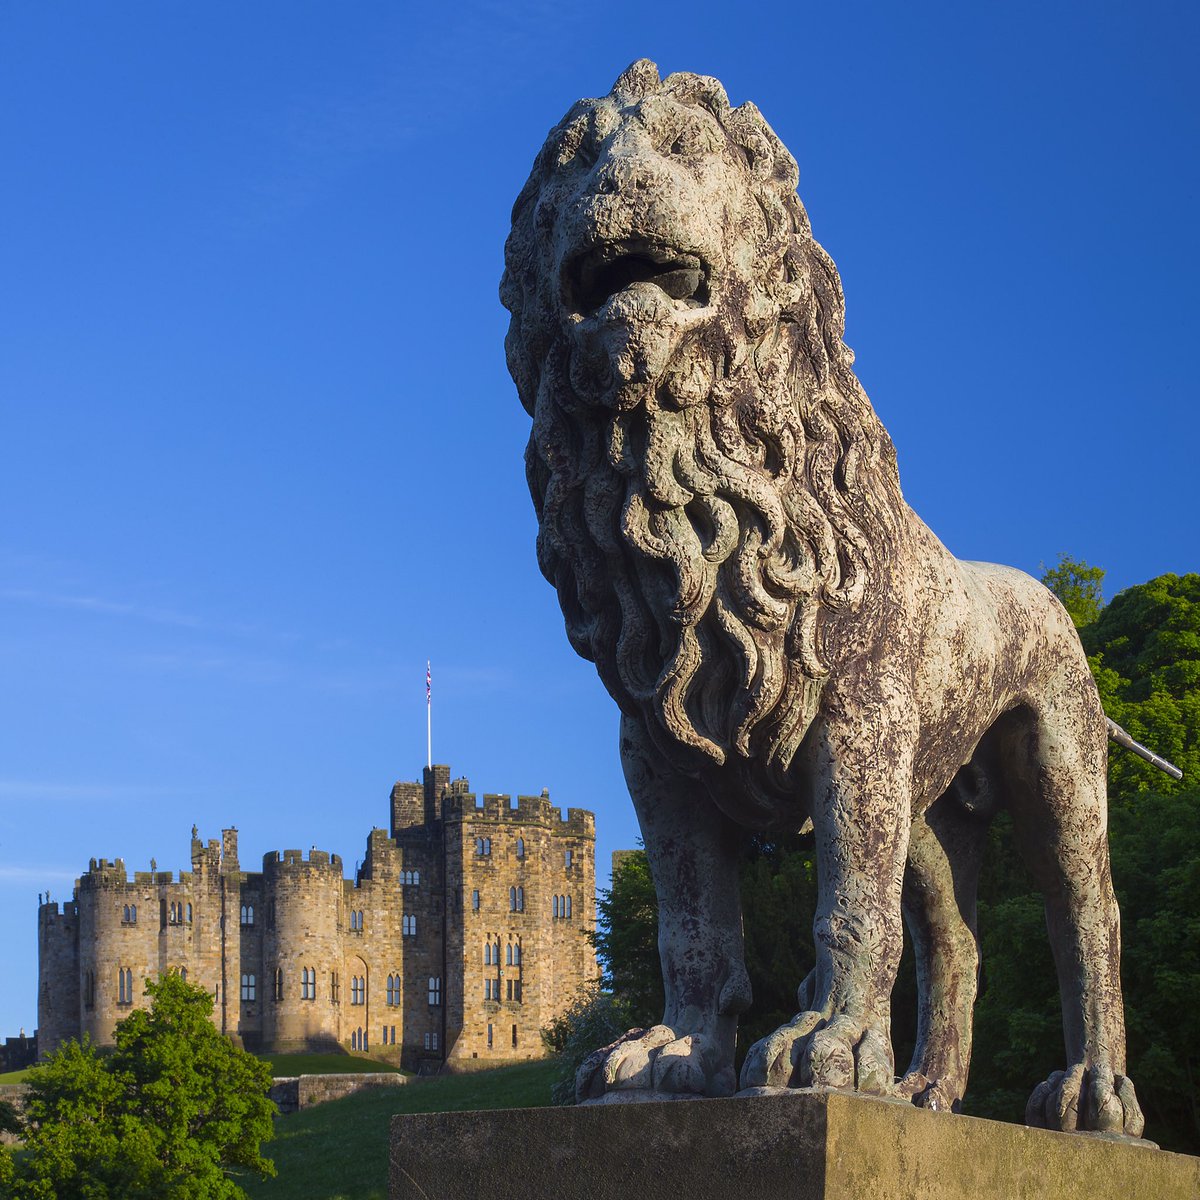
(1057,784)
(941,881)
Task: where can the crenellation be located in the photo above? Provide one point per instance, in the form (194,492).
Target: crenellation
(388,963)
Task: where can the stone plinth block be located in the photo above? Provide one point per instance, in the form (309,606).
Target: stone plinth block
(798,1146)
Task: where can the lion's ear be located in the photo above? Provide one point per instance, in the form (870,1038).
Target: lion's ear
(637,81)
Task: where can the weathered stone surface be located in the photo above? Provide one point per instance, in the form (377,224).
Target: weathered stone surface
(720,512)
(295,1092)
(795,1146)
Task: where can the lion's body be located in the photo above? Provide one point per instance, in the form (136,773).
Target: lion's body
(721,514)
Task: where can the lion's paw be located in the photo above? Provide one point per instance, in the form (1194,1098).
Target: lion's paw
(657,1062)
(937,1095)
(1086,1099)
(812,1052)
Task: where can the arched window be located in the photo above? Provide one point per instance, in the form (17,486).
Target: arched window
(475,899)
(567,857)
(435,989)
(409,926)
(568,912)
(487,954)
(520,847)
(487,845)
(520,899)
(247,915)
(133,913)
(183,974)
(512,899)
(556,906)
(508,955)
(308,983)
(416,878)
(189,913)
(517,954)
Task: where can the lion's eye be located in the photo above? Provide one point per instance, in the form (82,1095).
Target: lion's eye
(693,140)
(576,146)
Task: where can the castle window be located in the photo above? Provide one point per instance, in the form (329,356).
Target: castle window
(247,915)
(183,974)
(278,983)
(555,906)
(189,920)
(483,847)
(434,1039)
(308,983)
(520,847)
(489,1037)
(428,1042)
(508,989)
(393,1035)
(249,988)
(435,989)
(520,899)
(129,914)
(568,912)
(496,953)
(393,990)
(517,990)
(333,987)
(488,985)
(516,954)
(356,920)
(124,985)
(514,1035)
(475,899)
(512,899)
(409,926)
(410,878)
(358,990)
(89,989)
(271,914)
(567,858)
(487,954)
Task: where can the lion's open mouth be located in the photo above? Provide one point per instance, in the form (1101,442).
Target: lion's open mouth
(611,267)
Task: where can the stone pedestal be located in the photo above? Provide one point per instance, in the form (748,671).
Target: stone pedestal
(798,1146)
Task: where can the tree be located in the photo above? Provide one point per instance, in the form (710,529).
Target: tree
(626,939)
(1078,587)
(168,1115)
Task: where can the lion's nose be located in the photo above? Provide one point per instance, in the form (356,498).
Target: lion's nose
(627,173)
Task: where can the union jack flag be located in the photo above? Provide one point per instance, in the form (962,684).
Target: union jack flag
(428,685)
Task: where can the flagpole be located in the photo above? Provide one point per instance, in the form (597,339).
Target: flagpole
(428,716)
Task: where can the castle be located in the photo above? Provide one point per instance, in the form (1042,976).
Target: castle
(460,937)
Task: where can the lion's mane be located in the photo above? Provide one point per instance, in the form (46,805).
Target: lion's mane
(717,541)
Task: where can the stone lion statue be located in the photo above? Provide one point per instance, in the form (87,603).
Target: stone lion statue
(720,512)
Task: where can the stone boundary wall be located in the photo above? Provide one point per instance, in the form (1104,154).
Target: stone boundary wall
(296,1092)
(15,1094)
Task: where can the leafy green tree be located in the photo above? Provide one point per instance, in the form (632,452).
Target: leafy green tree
(1078,587)
(626,939)
(168,1115)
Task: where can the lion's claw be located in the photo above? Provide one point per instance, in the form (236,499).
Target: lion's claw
(655,1061)
(811,1052)
(1086,1099)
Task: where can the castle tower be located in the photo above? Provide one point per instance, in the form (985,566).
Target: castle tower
(297,1001)
(59,1001)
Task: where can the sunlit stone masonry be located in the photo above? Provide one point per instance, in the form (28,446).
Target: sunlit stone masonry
(459,938)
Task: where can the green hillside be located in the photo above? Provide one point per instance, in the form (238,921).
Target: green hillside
(339,1150)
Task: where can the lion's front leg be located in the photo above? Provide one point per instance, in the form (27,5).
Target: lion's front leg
(861,818)
(693,849)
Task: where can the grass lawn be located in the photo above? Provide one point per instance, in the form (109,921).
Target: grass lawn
(15,1076)
(339,1150)
(323,1064)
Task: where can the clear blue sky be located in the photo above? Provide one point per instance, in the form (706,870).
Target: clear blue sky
(260,454)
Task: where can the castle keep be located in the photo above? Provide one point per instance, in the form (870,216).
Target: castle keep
(460,937)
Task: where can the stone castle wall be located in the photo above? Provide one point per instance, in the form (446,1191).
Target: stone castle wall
(390,963)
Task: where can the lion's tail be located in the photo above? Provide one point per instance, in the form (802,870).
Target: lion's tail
(1119,736)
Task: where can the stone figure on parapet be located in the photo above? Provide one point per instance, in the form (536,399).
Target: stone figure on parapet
(720,512)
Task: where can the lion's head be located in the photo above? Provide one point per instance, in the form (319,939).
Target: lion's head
(717,498)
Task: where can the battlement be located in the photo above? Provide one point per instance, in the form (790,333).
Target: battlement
(50,912)
(528,810)
(274,861)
